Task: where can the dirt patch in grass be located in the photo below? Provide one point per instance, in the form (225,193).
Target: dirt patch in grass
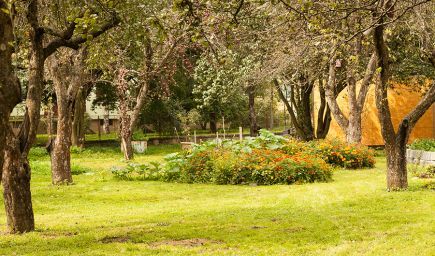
(294,229)
(193,242)
(115,239)
(54,234)
(258,227)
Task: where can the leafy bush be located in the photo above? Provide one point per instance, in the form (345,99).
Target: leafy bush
(267,167)
(338,153)
(134,171)
(38,152)
(422,171)
(423,144)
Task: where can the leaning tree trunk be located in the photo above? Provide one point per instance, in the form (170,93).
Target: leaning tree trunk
(60,154)
(252,116)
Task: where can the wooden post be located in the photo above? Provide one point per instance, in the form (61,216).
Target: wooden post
(194,136)
(99,129)
(223,125)
(241,133)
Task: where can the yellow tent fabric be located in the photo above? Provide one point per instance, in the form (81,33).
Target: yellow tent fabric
(402,99)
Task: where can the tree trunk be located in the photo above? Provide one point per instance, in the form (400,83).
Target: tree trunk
(106,123)
(16,188)
(78,125)
(16,169)
(203,125)
(126,135)
(50,121)
(397,178)
(323,115)
(10,92)
(213,121)
(253,129)
(60,155)
(353,131)
(4,122)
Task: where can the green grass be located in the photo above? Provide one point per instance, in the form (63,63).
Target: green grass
(98,215)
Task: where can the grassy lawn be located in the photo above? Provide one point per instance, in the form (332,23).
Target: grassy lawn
(353,215)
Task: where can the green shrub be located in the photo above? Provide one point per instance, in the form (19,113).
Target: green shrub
(423,144)
(38,152)
(422,171)
(267,167)
(134,171)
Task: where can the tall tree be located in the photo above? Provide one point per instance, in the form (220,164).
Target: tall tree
(395,141)
(44,41)
(142,55)
(68,71)
(10,96)
(352,124)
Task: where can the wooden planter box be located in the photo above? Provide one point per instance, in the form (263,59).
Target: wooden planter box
(138,146)
(420,157)
(186,145)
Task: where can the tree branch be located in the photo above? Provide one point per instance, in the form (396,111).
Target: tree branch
(331,97)
(75,42)
(365,84)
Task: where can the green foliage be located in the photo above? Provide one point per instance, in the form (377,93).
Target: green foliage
(76,150)
(38,152)
(139,136)
(422,171)
(134,171)
(79,169)
(423,144)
